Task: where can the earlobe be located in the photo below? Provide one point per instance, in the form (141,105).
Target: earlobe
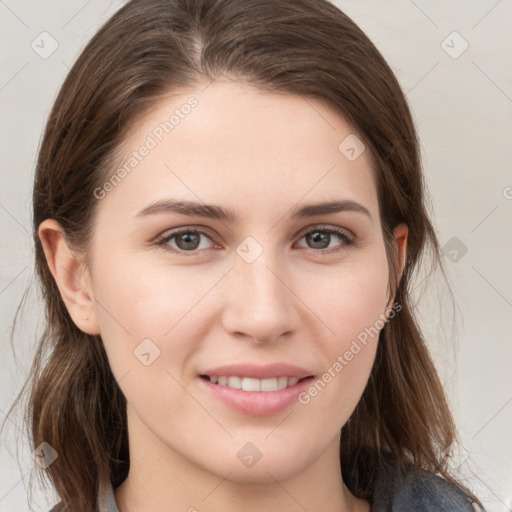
(70,275)
(400,233)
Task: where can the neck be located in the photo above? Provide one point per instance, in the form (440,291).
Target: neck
(162,480)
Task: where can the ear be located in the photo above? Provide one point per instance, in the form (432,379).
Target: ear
(71,276)
(400,233)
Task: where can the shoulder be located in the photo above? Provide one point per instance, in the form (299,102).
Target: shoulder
(423,491)
(412,488)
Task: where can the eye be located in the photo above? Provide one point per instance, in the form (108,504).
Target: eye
(185,240)
(188,240)
(321,237)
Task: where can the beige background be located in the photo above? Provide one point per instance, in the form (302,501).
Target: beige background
(462,103)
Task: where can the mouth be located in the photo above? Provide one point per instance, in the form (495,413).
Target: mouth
(256,390)
(254,384)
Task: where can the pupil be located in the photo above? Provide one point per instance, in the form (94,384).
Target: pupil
(191,240)
(319,237)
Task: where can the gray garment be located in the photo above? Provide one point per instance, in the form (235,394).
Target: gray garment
(107,503)
(415,491)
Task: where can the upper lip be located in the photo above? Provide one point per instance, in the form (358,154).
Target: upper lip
(270,371)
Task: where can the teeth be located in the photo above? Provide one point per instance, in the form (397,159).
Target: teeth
(250,384)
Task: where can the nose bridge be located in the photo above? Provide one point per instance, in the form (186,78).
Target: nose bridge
(260,304)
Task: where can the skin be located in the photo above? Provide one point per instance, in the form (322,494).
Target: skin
(259,154)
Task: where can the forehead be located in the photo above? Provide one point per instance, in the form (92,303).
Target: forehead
(232,144)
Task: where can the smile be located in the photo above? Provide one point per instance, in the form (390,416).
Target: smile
(252,384)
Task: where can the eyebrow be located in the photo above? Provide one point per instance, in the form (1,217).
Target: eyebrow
(195,209)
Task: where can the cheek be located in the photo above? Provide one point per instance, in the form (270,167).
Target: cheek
(138,300)
(350,298)
(351,302)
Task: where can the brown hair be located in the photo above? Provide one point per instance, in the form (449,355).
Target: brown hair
(299,47)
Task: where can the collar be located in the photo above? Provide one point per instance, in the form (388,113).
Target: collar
(107,501)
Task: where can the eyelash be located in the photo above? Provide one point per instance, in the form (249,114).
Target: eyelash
(162,241)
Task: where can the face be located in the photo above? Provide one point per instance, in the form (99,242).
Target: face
(271,287)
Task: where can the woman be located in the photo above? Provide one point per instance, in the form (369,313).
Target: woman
(228,212)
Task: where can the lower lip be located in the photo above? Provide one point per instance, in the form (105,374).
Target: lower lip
(256,403)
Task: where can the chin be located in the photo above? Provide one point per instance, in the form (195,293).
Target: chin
(250,464)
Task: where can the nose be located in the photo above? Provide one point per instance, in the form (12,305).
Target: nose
(260,303)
